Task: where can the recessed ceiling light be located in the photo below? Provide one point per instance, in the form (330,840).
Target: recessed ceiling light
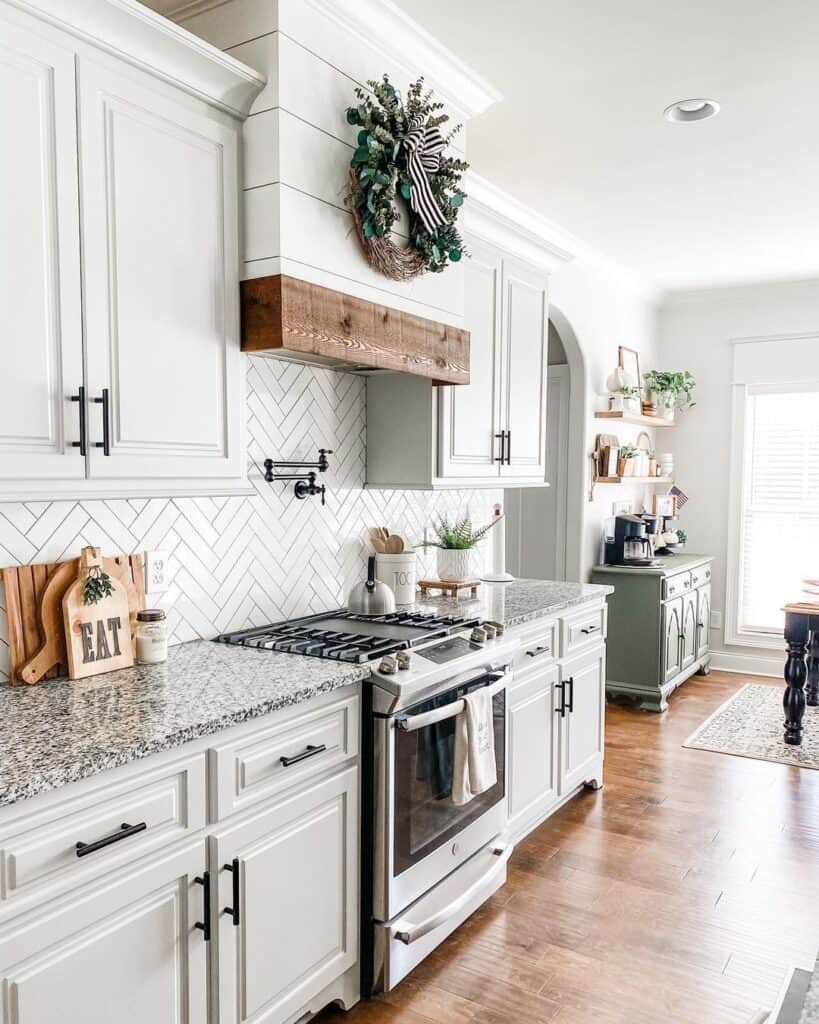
(686,111)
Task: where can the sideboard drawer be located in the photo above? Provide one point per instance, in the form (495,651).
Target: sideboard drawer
(701,575)
(86,836)
(582,630)
(676,585)
(255,765)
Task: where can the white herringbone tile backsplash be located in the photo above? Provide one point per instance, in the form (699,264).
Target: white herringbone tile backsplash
(253,559)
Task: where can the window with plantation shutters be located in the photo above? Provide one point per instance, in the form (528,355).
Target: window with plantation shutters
(779,523)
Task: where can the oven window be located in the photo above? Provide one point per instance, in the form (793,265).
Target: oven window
(425,816)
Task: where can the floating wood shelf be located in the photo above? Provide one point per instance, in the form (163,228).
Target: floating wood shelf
(639,421)
(634,480)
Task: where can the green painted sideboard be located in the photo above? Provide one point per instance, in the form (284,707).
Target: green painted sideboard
(659,620)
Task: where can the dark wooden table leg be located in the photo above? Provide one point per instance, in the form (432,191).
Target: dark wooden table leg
(812,689)
(796,639)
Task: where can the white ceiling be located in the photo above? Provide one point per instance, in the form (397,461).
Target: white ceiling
(580,134)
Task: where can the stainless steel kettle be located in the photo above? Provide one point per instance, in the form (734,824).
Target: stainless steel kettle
(372,597)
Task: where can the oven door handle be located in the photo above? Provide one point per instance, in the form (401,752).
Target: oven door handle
(412,723)
(407,932)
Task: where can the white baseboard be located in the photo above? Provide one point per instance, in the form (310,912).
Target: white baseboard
(748,664)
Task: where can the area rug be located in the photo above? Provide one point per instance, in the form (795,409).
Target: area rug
(750,725)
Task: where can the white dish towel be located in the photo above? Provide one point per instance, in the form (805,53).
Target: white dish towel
(473,769)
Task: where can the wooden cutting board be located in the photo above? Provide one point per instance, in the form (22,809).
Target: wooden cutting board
(34,596)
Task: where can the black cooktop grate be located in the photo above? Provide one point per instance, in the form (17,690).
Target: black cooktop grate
(344,636)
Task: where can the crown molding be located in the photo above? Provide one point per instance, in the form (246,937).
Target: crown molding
(390,30)
(497,217)
(135,33)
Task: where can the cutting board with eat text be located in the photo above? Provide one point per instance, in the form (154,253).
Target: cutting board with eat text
(97,633)
(33,598)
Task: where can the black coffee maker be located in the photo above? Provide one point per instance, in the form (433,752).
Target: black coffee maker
(631,544)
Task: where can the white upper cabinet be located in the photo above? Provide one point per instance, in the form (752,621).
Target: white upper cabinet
(160,241)
(41,339)
(470,445)
(119,261)
(525,353)
(492,431)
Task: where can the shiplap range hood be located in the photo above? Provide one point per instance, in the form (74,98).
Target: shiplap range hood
(308,292)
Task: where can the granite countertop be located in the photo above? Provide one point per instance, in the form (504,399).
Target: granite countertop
(810,1012)
(60,731)
(516,602)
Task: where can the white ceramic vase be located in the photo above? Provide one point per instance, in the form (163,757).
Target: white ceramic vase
(454,564)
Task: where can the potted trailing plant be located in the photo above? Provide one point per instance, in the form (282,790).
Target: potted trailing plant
(625,464)
(456,541)
(667,391)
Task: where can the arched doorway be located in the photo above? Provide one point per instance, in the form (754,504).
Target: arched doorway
(545,524)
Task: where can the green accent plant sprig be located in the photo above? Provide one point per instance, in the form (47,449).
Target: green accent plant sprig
(97,585)
(378,171)
(679,383)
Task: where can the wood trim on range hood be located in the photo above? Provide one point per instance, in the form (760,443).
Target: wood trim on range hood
(284,314)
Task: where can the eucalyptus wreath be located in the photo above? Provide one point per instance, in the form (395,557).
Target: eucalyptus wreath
(401,152)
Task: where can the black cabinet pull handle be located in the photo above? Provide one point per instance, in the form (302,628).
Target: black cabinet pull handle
(234,910)
(508,447)
(570,683)
(105,443)
(125,831)
(561,709)
(499,458)
(543,649)
(589,629)
(311,751)
(82,443)
(204,926)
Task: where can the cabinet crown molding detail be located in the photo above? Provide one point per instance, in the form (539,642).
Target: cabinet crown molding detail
(133,32)
(500,219)
(388,29)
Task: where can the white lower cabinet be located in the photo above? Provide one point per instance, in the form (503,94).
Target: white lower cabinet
(125,949)
(533,747)
(289,874)
(556,720)
(582,723)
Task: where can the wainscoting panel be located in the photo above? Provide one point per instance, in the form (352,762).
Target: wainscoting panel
(236,562)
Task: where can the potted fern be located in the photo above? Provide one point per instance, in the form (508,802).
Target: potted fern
(456,541)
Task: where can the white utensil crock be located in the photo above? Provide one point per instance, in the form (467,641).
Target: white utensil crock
(398,572)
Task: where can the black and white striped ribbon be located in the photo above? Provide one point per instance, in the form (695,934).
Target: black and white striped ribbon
(424,146)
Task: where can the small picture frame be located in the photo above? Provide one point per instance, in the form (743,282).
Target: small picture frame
(664,505)
(629,360)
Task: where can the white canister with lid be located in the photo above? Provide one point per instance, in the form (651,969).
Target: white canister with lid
(398,572)
(151,637)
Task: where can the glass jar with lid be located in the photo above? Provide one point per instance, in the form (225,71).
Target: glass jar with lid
(151,637)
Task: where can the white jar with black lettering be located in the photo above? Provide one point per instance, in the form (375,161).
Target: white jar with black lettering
(151,637)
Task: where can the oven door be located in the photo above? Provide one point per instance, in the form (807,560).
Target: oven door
(421,836)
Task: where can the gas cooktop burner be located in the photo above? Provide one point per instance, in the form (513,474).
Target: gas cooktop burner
(348,637)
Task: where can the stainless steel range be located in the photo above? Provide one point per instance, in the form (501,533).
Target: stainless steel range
(427,862)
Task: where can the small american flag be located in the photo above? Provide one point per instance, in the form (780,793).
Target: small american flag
(681,497)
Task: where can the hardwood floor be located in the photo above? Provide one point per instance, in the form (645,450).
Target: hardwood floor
(684,891)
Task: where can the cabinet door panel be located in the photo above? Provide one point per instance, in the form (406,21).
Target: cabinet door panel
(532,745)
(581,736)
(703,619)
(468,416)
(672,633)
(159,236)
(126,951)
(525,353)
(298,931)
(689,627)
(39,261)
